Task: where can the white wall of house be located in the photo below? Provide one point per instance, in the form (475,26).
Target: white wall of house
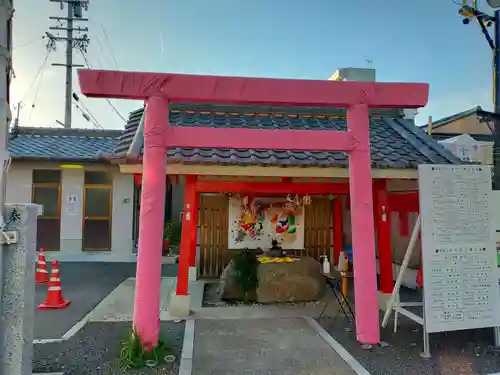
(19,190)
(123,213)
(71,225)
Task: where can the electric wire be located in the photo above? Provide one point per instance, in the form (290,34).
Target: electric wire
(27,43)
(99,44)
(37,75)
(109,45)
(87,63)
(39,84)
(85,112)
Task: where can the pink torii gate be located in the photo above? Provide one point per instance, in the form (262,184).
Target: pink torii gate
(158,90)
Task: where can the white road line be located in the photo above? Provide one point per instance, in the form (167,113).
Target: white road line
(78,326)
(75,329)
(335,345)
(186,365)
(47,341)
(71,332)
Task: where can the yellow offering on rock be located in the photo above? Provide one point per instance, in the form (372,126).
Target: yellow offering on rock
(276,260)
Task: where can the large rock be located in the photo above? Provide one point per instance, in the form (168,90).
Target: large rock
(228,289)
(298,281)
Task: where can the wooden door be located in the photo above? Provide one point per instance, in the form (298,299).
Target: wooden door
(97,213)
(46,191)
(213,219)
(318,228)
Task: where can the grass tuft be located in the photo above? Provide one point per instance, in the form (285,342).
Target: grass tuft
(134,355)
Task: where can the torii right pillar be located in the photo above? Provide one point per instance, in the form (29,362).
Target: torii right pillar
(363,231)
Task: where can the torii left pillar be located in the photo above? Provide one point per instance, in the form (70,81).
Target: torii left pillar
(152,216)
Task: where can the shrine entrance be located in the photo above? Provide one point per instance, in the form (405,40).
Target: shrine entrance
(159,90)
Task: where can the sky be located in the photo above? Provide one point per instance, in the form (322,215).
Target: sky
(404,40)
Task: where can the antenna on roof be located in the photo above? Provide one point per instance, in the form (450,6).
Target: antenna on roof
(15,123)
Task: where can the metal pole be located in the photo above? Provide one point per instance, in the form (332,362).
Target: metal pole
(496,110)
(496,132)
(69,67)
(427,345)
(496,102)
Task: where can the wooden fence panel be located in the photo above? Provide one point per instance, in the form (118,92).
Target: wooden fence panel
(214,217)
(318,221)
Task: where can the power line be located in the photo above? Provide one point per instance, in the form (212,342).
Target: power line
(115,110)
(36,93)
(87,115)
(99,44)
(109,45)
(28,43)
(107,100)
(39,71)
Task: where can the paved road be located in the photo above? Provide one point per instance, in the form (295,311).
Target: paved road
(261,347)
(85,285)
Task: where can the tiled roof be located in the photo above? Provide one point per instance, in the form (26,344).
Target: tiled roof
(476,136)
(396,143)
(454,117)
(31,143)
(128,133)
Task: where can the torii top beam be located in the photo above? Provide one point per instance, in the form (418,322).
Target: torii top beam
(186,88)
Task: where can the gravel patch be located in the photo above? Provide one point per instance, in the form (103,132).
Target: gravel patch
(94,351)
(453,353)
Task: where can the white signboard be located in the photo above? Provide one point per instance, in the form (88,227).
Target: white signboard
(461,288)
(71,207)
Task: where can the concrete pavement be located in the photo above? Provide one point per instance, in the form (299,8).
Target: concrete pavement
(263,346)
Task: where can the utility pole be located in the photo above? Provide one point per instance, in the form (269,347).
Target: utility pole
(66,24)
(469,12)
(485,21)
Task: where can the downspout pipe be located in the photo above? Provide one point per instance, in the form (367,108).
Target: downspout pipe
(134,150)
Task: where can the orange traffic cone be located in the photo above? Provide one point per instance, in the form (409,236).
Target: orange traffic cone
(54,298)
(42,275)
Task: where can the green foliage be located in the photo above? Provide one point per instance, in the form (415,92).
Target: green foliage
(172,233)
(245,271)
(134,355)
